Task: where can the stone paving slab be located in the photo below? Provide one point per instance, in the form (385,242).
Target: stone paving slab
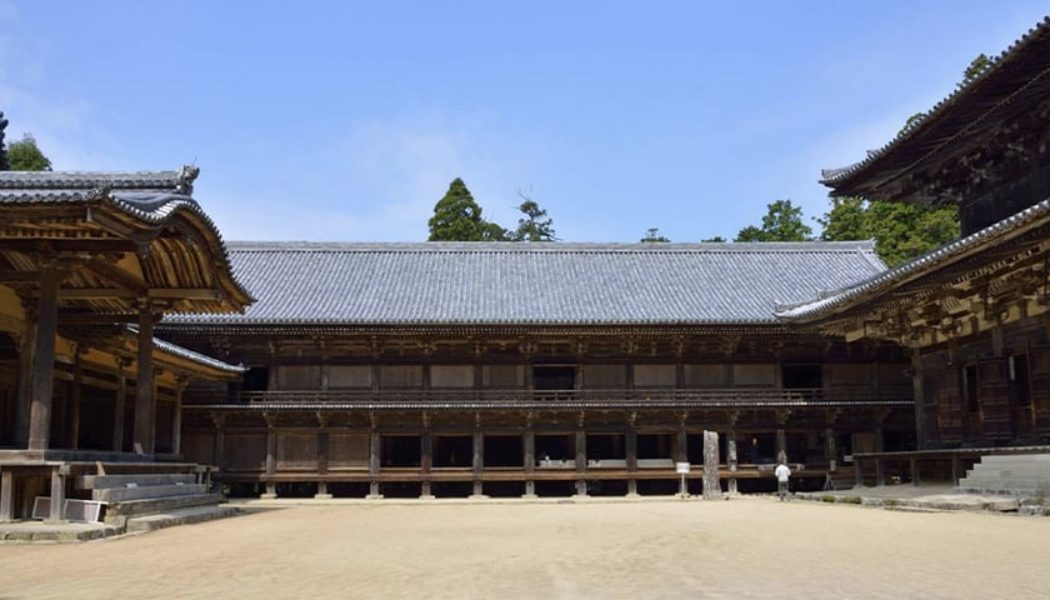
(39,531)
(937,498)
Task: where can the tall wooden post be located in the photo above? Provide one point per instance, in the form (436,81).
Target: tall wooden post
(375,444)
(7,496)
(322,455)
(631,453)
(478,463)
(919,394)
(731,457)
(581,462)
(176,417)
(271,456)
(119,410)
(145,401)
(218,419)
(25,377)
(75,398)
(41,396)
(58,495)
(782,417)
(529,450)
(426,458)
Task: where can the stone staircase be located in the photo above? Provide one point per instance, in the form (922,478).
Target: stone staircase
(1026,475)
(148,501)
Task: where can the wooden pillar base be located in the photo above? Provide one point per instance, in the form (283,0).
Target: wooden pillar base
(322,491)
(271,492)
(373,491)
(530,490)
(581,488)
(478,493)
(632,487)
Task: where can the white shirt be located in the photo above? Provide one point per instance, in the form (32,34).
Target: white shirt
(782,472)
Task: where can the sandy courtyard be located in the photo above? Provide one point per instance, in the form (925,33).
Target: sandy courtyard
(753,548)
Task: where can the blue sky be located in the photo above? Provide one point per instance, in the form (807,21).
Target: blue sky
(346,121)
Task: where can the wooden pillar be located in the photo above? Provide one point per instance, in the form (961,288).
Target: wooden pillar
(41,395)
(219,421)
(7,496)
(58,496)
(955,470)
(681,446)
(919,394)
(176,417)
(145,399)
(426,462)
(119,408)
(858,473)
(914,471)
(831,450)
(25,378)
(322,456)
(529,450)
(271,456)
(478,463)
(782,417)
(631,453)
(581,462)
(731,459)
(75,398)
(375,445)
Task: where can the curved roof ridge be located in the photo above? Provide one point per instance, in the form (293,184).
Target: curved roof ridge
(833,177)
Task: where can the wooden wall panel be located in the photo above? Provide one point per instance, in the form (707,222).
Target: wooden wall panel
(245,451)
(605,377)
(452,376)
(948,397)
(296,451)
(1039,372)
(993,379)
(654,376)
(341,377)
(706,376)
(346,450)
(503,376)
(199,447)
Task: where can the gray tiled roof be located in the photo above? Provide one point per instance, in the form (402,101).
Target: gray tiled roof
(928,263)
(538,283)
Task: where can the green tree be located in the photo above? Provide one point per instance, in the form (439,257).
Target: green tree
(716,239)
(782,223)
(847,220)
(902,231)
(24,155)
(535,226)
(457,218)
(652,236)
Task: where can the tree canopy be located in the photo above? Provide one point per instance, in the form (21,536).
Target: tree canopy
(535,226)
(901,231)
(457,218)
(652,236)
(24,155)
(3,149)
(782,223)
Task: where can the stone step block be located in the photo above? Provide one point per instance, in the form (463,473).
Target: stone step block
(97,482)
(134,508)
(124,494)
(185,516)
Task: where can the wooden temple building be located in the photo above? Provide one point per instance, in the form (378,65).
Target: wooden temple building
(510,369)
(88,264)
(973,316)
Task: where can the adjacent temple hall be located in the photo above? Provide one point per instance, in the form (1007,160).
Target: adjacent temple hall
(137,347)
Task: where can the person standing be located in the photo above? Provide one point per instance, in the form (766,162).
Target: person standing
(783,474)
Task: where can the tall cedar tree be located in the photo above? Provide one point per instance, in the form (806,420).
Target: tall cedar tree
(535,226)
(782,223)
(457,218)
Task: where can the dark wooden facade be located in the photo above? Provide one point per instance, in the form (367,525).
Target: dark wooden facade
(513,411)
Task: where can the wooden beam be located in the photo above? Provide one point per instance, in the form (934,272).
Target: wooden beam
(125,293)
(60,246)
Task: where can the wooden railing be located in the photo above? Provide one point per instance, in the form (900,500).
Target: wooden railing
(473,398)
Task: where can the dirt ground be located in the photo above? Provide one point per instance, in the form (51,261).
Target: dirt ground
(746,548)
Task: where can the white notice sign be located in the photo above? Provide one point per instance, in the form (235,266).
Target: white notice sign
(681,468)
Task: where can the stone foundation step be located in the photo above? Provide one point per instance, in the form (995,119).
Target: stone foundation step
(185,516)
(996,459)
(124,494)
(97,482)
(135,508)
